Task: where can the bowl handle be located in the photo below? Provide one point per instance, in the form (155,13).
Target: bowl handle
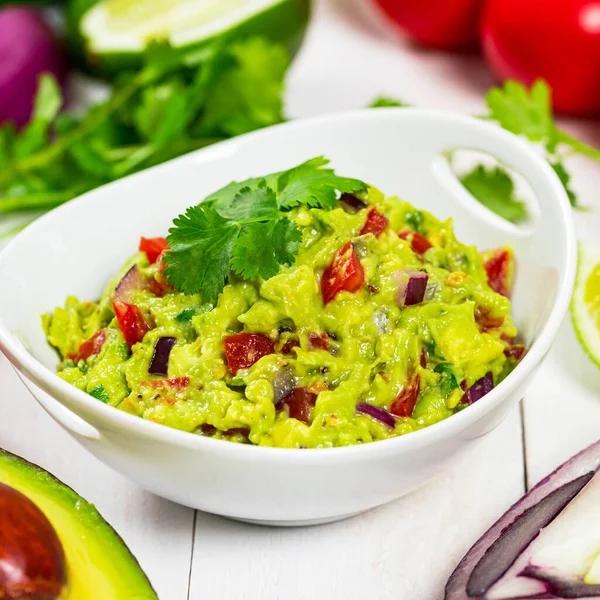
(73,423)
(512,151)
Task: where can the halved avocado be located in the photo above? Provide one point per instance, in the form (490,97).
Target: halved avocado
(58,544)
(110,36)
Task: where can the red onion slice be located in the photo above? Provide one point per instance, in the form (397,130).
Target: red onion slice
(352,203)
(376,413)
(411,287)
(479,389)
(159,365)
(580,466)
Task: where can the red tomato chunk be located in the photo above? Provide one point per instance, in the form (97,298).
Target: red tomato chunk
(299,404)
(153,247)
(345,273)
(90,347)
(131,321)
(419,243)
(405,402)
(242,350)
(376,223)
(498,265)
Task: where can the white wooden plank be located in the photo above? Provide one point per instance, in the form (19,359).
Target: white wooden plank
(405,549)
(158,532)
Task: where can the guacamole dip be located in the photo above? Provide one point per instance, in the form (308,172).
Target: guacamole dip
(381,325)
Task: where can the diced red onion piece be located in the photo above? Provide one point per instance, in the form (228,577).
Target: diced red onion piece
(352,202)
(411,287)
(159,365)
(284,384)
(132,281)
(376,413)
(479,389)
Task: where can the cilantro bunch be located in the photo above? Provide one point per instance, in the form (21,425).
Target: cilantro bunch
(175,104)
(245,228)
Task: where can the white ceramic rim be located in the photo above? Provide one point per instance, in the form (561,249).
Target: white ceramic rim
(415,440)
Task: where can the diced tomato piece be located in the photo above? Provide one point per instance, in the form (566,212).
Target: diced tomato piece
(419,243)
(177,383)
(405,402)
(90,347)
(288,347)
(517,351)
(499,266)
(486,321)
(376,223)
(131,321)
(159,286)
(299,403)
(242,350)
(153,247)
(345,273)
(319,341)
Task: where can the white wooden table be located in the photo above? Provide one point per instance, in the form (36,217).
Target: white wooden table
(407,549)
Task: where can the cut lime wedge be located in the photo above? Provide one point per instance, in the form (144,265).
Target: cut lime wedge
(113,33)
(585,305)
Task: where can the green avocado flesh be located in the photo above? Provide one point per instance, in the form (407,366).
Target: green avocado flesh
(99,564)
(112,35)
(377,347)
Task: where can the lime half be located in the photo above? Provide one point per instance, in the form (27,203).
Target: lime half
(113,34)
(585,306)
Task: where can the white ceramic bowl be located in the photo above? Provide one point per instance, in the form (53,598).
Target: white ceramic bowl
(78,247)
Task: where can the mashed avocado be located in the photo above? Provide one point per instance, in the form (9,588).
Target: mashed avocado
(384,324)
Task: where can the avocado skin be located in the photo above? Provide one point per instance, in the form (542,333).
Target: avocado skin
(285,24)
(81,524)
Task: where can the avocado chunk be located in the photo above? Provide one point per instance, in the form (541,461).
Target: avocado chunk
(109,36)
(55,545)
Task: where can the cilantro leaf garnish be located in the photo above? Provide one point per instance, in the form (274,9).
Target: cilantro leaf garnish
(244,228)
(495,189)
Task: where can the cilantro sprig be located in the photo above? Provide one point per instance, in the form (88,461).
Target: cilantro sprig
(176,103)
(245,227)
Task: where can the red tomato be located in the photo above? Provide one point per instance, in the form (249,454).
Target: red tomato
(557,40)
(405,402)
(419,243)
(90,347)
(375,224)
(131,321)
(242,350)
(345,273)
(499,266)
(152,247)
(299,403)
(319,341)
(439,24)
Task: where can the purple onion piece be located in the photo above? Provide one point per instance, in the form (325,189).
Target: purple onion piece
(377,413)
(159,365)
(352,203)
(411,287)
(479,389)
(132,281)
(284,383)
(581,465)
(519,534)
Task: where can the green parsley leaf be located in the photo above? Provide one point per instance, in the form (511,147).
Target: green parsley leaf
(522,111)
(495,189)
(262,247)
(201,246)
(311,184)
(387,102)
(100,394)
(565,179)
(250,203)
